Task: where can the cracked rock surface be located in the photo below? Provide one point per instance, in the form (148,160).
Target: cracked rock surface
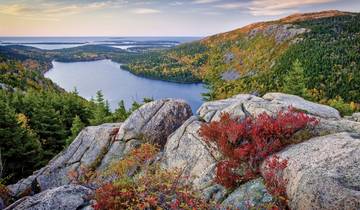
(186,150)
(82,152)
(324,172)
(64,197)
(96,147)
(155,121)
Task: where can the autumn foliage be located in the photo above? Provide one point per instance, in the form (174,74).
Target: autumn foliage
(246,144)
(141,184)
(5,195)
(274,181)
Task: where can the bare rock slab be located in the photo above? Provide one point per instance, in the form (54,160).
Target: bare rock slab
(84,151)
(252,194)
(297,102)
(185,150)
(69,197)
(155,121)
(96,147)
(324,172)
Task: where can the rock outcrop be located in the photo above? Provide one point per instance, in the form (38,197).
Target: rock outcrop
(297,102)
(249,195)
(96,147)
(64,197)
(230,75)
(280,32)
(354,117)
(155,121)
(324,172)
(186,150)
(85,151)
(244,105)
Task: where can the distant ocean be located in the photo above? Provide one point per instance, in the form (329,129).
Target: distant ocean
(66,42)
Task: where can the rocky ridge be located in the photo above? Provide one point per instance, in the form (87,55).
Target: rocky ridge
(97,146)
(323,172)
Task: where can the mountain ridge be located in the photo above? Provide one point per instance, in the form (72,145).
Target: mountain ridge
(259,58)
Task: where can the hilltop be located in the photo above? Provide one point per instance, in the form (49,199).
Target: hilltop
(317,50)
(163,157)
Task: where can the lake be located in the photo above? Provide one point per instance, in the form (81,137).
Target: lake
(118,84)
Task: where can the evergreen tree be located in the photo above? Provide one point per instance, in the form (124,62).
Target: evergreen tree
(99,99)
(101,112)
(295,81)
(120,113)
(76,127)
(134,106)
(47,123)
(147,100)
(21,152)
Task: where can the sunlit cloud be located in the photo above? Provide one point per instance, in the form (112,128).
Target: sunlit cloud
(279,7)
(51,10)
(145,11)
(140,17)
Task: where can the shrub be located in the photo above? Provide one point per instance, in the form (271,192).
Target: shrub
(5,195)
(344,108)
(246,144)
(274,181)
(150,188)
(136,159)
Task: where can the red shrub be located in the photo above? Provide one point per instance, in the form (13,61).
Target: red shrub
(225,173)
(275,183)
(274,180)
(247,143)
(150,188)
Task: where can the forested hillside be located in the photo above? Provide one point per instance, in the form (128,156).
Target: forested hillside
(38,119)
(314,55)
(40,60)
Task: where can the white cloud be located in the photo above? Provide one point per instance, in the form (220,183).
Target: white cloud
(279,7)
(176,3)
(145,11)
(231,5)
(205,1)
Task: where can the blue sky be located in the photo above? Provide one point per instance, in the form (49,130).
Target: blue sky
(148,17)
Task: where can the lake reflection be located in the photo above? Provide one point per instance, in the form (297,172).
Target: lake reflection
(117,84)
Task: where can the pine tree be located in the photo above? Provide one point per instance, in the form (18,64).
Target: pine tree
(21,152)
(101,113)
(134,106)
(99,97)
(46,122)
(295,81)
(147,100)
(120,113)
(76,127)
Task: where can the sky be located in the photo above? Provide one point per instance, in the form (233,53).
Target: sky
(148,17)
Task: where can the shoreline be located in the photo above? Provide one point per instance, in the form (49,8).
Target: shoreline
(125,69)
